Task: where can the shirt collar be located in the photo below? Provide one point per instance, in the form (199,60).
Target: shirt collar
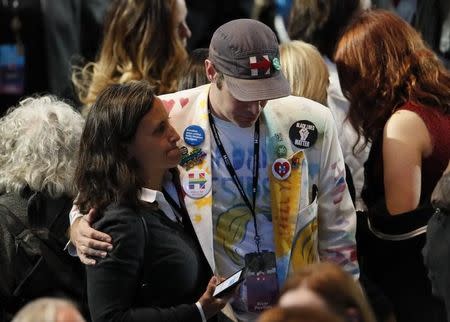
(150,195)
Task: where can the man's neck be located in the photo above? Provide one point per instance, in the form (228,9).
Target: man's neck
(214,103)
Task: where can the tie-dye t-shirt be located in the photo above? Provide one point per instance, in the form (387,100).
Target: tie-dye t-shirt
(234,230)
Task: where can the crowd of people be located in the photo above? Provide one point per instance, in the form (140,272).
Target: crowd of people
(319,166)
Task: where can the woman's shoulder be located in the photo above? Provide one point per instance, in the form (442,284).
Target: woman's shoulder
(116,218)
(117,215)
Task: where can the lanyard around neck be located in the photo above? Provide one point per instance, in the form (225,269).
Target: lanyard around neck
(233,174)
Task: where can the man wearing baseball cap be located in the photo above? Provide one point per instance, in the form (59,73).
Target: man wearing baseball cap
(271,192)
(262,171)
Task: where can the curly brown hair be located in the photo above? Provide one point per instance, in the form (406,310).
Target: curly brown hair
(383,63)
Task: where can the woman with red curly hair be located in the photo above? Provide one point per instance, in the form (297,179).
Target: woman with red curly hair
(400,103)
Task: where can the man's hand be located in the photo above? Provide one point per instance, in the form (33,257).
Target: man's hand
(90,243)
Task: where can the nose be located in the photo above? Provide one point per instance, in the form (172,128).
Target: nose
(184,31)
(173,137)
(256,107)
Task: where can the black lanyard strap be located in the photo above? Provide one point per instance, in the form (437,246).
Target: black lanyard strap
(233,174)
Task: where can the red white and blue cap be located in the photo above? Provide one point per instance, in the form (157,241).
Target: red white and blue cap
(246,52)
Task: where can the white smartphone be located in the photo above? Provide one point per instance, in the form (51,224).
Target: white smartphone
(228,284)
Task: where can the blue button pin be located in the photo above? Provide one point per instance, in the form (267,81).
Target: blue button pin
(194,135)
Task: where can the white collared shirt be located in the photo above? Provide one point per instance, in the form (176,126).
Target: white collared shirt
(147,195)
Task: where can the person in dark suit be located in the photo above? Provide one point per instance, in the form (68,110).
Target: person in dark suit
(48,35)
(156,270)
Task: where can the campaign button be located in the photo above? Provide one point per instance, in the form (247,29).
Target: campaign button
(184,150)
(281,151)
(192,159)
(194,135)
(281,169)
(197,183)
(303,134)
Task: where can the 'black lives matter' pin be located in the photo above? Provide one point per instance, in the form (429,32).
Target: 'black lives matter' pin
(303,134)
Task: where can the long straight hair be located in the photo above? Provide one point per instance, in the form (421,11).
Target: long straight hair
(105,173)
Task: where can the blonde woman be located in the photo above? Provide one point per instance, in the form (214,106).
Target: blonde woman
(143,40)
(305,70)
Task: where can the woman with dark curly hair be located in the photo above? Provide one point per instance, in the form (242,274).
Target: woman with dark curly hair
(399,96)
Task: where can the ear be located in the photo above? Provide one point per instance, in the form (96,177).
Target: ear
(210,70)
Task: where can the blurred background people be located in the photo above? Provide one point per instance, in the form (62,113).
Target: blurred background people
(39,39)
(430,17)
(49,310)
(398,90)
(326,285)
(321,23)
(204,17)
(194,74)
(437,248)
(38,144)
(305,70)
(143,40)
(296,314)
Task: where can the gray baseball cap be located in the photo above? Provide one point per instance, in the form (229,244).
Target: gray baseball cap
(246,52)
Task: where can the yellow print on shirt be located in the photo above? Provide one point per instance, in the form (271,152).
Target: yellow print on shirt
(230,230)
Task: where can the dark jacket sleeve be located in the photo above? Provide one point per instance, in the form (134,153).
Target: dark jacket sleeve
(113,283)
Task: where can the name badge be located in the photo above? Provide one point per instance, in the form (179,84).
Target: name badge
(261,281)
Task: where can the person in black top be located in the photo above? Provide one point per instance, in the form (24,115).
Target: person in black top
(156,270)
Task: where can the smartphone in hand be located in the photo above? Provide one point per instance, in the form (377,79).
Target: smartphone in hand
(230,283)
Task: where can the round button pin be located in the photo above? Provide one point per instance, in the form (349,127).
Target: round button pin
(194,135)
(281,169)
(197,183)
(303,134)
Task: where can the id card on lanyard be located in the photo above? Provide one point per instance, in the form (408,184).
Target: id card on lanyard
(261,284)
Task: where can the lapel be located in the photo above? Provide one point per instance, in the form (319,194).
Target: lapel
(285,195)
(186,111)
